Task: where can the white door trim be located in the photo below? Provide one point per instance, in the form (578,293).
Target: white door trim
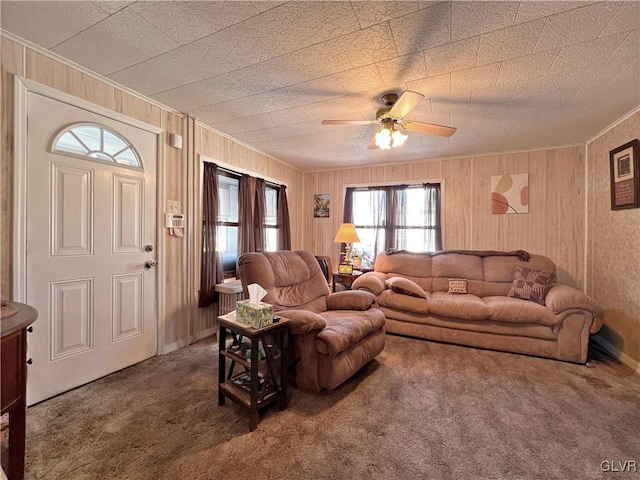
(22,87)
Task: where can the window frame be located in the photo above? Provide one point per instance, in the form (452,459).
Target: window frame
(103,128)
(390,231)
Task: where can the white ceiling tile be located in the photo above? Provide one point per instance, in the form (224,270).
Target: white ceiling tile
(112,6)
(529,66)
(626,18)
(49,23)
(185,22)
(424,29)
(469,19)
(532,10)
(588,53)
(264,5)
(359,79)
(405,68)
(576,26)
(452,56)
(371,45)
(474,78)
(511,42)
(153,76)
(339,107)
(121,40)
(372,13)
(264,120)
(432,86)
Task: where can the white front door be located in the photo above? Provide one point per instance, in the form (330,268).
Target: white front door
(91,226)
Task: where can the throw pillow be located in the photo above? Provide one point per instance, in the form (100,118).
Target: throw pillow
(405,286)
(457,285)
(531,285)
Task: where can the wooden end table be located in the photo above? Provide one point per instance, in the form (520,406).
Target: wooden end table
(345,279)
(257,385)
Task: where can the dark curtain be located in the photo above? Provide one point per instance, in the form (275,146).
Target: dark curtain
(211,272)
(347,213)
(259,215)
(284,227)
(246,237)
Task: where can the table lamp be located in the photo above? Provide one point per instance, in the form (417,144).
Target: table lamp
(347,234)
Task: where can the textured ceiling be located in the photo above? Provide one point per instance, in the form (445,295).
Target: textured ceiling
(507,75)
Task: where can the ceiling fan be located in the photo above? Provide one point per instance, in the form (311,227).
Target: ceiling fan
(392,115)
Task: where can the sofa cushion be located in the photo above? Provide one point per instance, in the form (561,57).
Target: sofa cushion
(405,286)
(531,285)
(391,299)
(507,309)
(346,328)
(463,306)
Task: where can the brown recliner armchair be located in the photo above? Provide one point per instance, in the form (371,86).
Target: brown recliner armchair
(334,334)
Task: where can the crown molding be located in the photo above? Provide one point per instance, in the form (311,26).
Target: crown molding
(613,125)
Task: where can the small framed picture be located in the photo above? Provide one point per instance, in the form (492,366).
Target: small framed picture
(625,176)
(345,268)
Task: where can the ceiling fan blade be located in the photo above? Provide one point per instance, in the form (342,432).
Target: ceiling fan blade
(407,101)
(348,122)
(372,145)
(429,128)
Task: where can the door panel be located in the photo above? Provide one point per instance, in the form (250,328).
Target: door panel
(71,207)
(88,220)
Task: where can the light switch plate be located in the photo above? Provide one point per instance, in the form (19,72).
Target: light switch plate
(173,206)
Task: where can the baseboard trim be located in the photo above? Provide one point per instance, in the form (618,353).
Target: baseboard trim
(206,333)
(617,353)
(172,347)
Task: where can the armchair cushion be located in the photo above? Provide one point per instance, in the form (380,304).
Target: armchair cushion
(303,321)
(345,329)
(350,300)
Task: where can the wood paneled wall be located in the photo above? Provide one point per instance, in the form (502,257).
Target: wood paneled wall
(613,256)
(553,227)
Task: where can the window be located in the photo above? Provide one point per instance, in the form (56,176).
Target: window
(271,218)
(227,231)
(97,143)
(404,217)
(228,208)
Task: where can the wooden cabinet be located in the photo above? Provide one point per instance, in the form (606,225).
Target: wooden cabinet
(13,391)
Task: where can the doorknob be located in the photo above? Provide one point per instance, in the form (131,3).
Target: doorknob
(150,264)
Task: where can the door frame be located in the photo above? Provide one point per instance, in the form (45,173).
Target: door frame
(24,86)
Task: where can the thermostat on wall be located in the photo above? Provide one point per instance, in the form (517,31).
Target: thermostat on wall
(174,220)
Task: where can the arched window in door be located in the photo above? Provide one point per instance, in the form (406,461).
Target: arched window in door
(96,142)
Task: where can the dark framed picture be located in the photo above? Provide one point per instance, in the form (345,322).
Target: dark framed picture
(625,176)
(345,268)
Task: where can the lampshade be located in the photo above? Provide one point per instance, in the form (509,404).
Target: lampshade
(346,234)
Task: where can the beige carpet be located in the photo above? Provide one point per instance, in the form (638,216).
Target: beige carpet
(422,410)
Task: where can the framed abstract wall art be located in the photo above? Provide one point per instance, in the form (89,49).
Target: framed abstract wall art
(510,193)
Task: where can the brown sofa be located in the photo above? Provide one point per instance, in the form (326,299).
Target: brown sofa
(334,334)
(486,316)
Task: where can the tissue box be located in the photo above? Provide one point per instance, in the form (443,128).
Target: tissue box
(255,316)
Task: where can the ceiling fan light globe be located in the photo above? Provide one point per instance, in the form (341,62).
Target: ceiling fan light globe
(398,138)
(383,138)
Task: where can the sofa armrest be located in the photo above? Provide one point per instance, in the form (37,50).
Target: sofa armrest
(350,300)
(370,282)
(563,297)
(303,321)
